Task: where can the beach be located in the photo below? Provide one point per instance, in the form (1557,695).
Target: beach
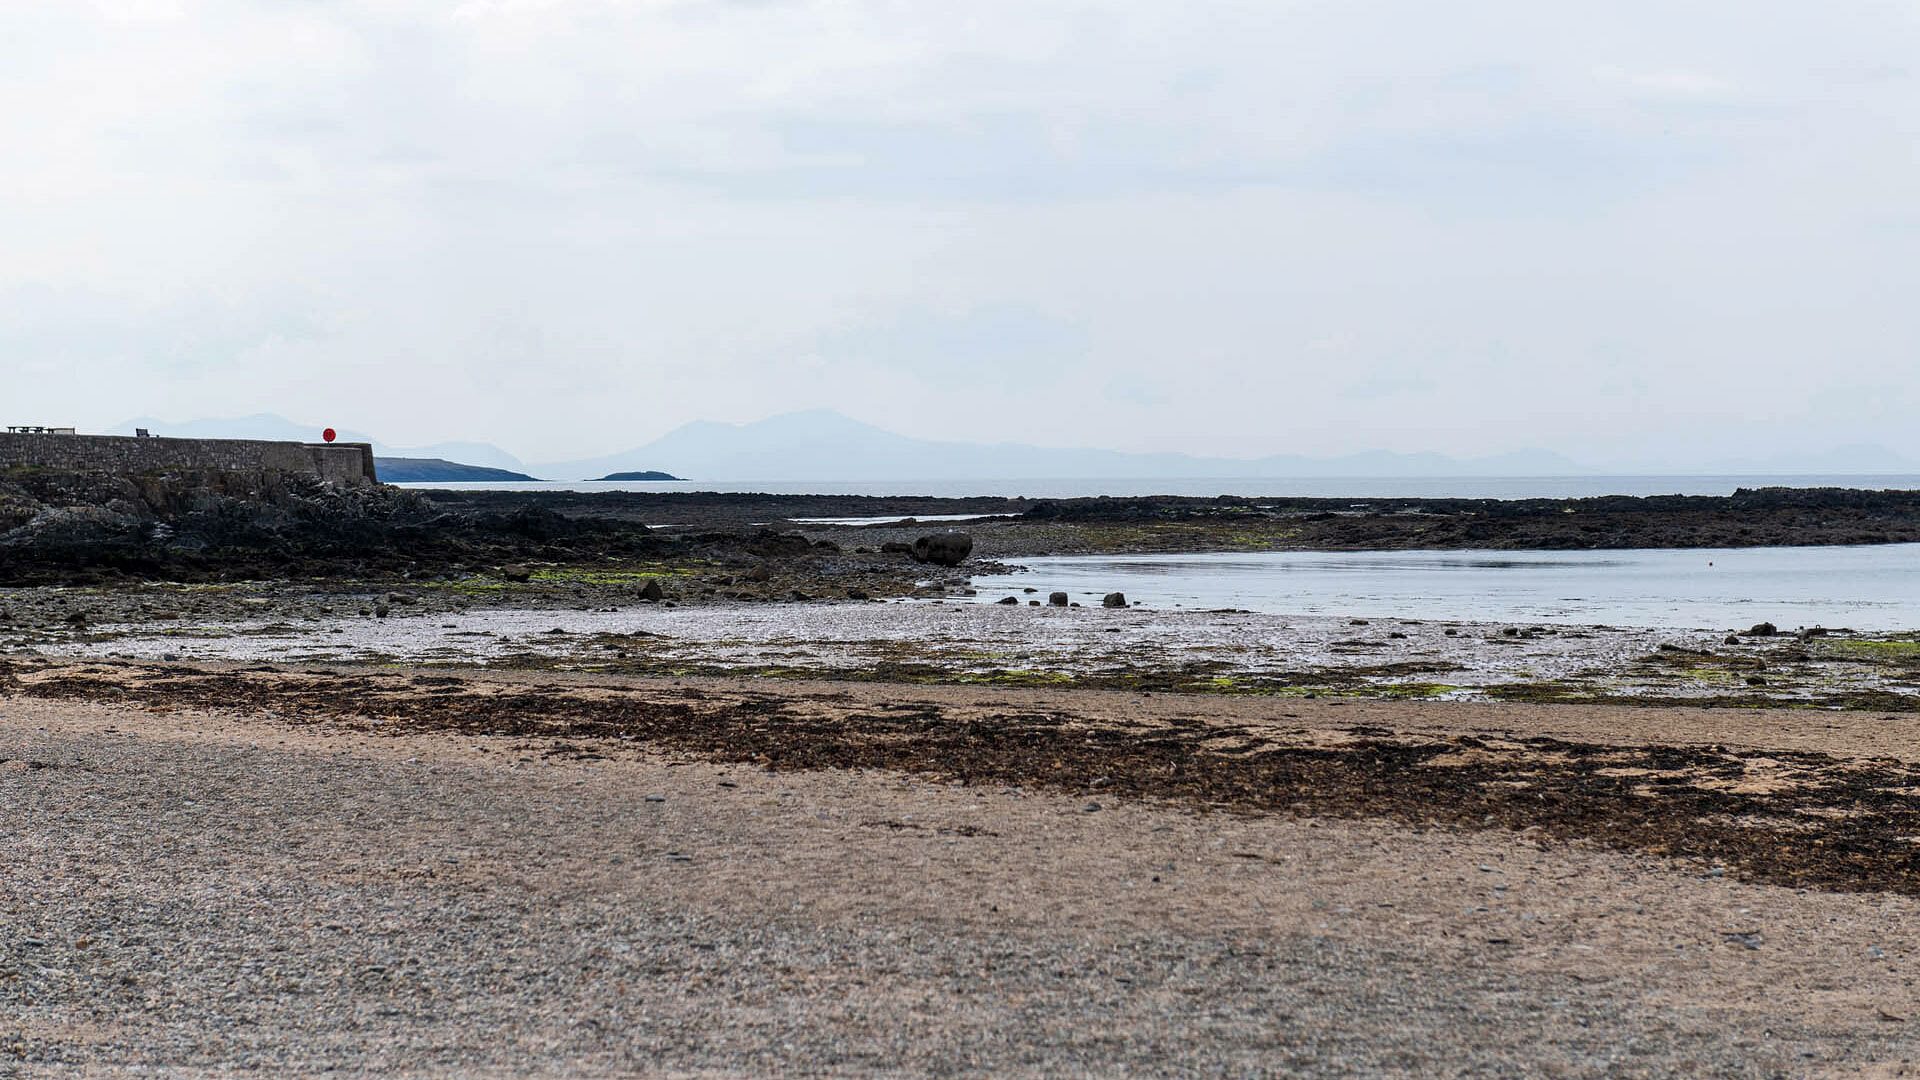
(508,792)
(401,872)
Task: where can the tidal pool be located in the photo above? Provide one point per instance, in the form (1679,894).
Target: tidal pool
(1869,588)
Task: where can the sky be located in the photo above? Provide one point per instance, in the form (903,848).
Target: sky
(1635,233)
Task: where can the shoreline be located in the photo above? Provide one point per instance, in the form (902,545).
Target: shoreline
(416,872)
(1226,654)
(1012,528)
(1809,802)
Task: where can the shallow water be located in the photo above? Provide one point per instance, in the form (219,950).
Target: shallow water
(1869,588)
(1335,487)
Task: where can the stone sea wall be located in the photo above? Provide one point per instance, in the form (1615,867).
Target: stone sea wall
(339,463)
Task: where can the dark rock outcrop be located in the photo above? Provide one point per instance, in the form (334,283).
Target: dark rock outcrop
(943,549)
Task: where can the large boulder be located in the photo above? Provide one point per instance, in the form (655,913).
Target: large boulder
(943,549)
(76,526)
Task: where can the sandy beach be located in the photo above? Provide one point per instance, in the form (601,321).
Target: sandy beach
(218,870)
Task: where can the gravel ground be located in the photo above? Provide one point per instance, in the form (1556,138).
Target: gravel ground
(202,893)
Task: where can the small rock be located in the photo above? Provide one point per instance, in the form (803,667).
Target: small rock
(1058,599)
(652,590)
(1114,599)
(1033,603)
(1091,808)
(656,798)
(1731,640)
(78,618)
(759,573)
(1008,600)
(381,611)
(857,594)
(516,573)
(1765,629)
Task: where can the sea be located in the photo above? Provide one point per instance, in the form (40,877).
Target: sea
(1875,587)
(1869,588)
(1426,487)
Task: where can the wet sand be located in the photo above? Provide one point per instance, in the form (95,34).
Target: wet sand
(1216,652)
(502,873)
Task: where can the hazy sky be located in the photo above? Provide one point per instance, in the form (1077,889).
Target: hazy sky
(1622,230)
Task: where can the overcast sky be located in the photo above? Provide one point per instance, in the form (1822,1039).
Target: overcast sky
(1626,231)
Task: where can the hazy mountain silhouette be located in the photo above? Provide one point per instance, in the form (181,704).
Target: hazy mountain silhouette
(1852,460)
(824,445)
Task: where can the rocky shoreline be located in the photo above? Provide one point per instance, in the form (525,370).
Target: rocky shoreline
(1761,517)
(428,769)
(93,528)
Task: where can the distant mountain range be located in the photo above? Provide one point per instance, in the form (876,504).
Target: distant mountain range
(822,445)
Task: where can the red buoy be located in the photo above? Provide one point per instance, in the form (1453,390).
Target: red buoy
(328,435)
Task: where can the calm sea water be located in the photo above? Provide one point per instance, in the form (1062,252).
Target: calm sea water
(1475,487)
(1866,588)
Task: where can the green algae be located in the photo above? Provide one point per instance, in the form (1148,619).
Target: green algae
(1901,650)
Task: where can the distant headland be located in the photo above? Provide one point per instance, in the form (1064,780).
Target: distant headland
(400,470)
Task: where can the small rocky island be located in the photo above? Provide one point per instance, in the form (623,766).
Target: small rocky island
(648,474)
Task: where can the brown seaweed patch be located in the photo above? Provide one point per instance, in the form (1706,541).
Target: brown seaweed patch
(1688,802)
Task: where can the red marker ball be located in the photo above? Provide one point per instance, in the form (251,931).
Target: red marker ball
(328,435)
